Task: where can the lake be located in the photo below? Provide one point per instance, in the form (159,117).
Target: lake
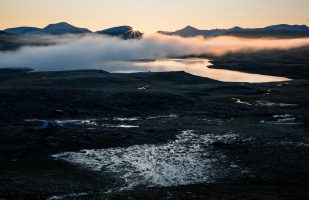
(198,67)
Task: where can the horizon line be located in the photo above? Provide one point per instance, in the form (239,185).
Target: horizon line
(185,26)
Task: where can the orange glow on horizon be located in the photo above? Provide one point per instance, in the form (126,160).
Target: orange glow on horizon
(153,15)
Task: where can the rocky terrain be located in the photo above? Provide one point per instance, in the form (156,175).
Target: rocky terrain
(90,134)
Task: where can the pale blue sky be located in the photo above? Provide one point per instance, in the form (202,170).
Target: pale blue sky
(152,15)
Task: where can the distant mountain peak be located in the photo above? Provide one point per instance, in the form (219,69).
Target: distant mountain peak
(63,23)
(60,25)
(236,28)
(190,28)
(63,28)
(188,31)
(124,32)
(125,26)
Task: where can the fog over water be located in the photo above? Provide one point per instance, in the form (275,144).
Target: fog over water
(106,53)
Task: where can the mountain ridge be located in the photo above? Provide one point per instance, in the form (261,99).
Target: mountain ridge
(280,30)
(128,32)
(21,30)
(124,32)
(52,29)
(64,28)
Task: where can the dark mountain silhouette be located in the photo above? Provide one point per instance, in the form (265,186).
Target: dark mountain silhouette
(124,32)
(63,28)
(3,33)
(286,27)
(190,31)
(52,29)
(22,30)
(281,30)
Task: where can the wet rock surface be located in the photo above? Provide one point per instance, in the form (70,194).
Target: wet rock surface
(95,135)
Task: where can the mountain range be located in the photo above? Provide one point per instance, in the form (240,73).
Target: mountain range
(281,30)
(124,32)
(128,32)
(53,29)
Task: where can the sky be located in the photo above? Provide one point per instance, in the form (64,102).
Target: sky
(150,16)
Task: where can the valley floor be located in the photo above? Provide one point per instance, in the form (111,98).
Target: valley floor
(95,135)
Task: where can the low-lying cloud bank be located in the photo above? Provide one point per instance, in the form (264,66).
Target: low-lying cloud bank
(90,51)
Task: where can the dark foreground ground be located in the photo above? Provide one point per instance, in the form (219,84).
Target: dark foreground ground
(267,160)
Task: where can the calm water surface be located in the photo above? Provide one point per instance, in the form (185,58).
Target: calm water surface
(200,67)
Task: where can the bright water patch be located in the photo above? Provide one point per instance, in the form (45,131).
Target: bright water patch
(44,124)
(143,88)
(282,120)
(122,126)
(171,116)
(67,196)
(112,122)
(200,67)
(241,102)
(263,103)
(186,160)
(126,119)
(271,104)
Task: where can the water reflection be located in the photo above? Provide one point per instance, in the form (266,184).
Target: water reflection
(200,67)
